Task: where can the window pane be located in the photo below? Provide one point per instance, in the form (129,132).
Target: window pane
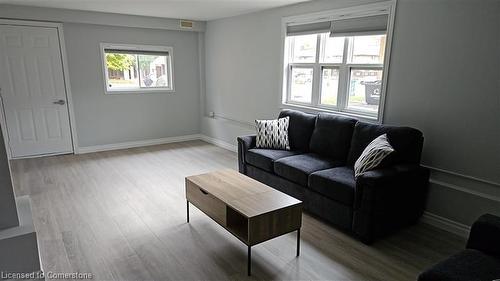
(334,49)
(301,84)
(122,71)
(304,48)
(329,86)
(364,90)
(153,71)
(367,49)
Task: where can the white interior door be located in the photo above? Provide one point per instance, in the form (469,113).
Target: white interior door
(33,91)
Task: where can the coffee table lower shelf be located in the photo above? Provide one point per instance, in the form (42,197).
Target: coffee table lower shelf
(240,227)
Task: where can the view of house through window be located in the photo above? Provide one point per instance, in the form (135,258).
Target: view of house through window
(131,70)
(342,73)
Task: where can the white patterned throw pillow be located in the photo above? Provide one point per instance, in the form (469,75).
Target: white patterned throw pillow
(373,155)
(272,133)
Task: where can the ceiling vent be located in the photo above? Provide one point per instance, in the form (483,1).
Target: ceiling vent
(187,24)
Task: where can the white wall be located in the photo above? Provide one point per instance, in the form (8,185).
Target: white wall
(443,79)
(108,119)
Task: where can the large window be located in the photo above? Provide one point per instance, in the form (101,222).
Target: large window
(337,65)
(137,69)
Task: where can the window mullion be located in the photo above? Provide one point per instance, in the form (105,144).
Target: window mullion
(316,84)
(343,91)
(137,64)
(289,84)
(316,74)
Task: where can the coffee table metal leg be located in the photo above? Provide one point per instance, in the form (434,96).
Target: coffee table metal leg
(187,210)
(298,242)
(249,260)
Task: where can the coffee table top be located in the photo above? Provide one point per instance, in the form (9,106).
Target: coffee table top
(242,193)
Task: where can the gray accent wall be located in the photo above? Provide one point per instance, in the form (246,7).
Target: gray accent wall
(444,79)
(115,118)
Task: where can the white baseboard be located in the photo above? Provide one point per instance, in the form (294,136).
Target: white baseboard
(219,143)
(446,224)
(131,144)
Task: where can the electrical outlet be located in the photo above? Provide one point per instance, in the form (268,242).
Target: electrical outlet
(211,114)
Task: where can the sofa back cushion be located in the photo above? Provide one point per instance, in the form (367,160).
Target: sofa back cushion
(300,128)
(407,142)
(332,136)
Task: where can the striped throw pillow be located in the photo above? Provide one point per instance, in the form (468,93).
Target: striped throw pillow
(373,155)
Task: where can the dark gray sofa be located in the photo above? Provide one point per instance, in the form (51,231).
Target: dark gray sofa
(319,171)
(480,261)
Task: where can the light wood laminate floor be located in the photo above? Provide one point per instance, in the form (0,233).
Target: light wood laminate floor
(122,216)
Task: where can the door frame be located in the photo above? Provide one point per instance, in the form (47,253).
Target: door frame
(67,85)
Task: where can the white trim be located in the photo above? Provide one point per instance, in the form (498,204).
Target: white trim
(42,155)
(67,87)
(5,133)
(219,143)
(132,144)
(69,94)
(452,226)
(30,23)
(387,60)
(466,190)
(135,47)
(315,110)
(463,175)
(142,143)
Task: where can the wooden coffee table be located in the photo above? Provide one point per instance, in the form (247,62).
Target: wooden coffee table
(252,211)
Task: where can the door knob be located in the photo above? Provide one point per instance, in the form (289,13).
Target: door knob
(60,102)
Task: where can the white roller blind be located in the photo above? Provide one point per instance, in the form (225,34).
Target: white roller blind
(344,27)
(364,25)
(309,28)
(136,52)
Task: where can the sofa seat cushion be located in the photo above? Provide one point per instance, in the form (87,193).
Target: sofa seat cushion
(337,184)
(264,158)
(298,168)
(467,265)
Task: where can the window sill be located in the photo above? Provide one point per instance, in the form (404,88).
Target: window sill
(361,117)
(140,92)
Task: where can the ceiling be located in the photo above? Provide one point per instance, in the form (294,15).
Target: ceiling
(183,9)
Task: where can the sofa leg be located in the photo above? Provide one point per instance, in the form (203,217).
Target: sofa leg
(366,241)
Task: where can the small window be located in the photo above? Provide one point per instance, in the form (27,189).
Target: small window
(137,69)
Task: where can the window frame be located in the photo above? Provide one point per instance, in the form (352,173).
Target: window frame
(381,8)
(138,48)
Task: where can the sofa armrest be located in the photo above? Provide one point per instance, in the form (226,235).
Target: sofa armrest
(387,199)
(485,235)
(388,187)
(244,144)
